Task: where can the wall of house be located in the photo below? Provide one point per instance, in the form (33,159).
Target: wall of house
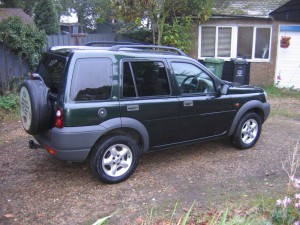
(261,73)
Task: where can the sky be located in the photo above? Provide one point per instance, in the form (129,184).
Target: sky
(69,19)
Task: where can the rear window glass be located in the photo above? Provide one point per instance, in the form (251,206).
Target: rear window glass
(92,79)
(51,70)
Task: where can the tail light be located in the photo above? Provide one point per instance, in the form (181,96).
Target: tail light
(59,118)
(50,150)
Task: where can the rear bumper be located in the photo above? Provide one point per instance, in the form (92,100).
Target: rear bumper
(70,143)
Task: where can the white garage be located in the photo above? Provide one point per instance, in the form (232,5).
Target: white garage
(288,57)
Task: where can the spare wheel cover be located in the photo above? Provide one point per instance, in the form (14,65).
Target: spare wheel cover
(35,107)
(25,108)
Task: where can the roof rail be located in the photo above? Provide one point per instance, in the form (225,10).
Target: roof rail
(153,47)
(111,43)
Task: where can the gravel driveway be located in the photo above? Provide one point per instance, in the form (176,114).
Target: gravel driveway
(38,189)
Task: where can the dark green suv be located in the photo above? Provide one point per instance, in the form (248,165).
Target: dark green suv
(110,104)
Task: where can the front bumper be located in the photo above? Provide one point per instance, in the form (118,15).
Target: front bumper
(266,108)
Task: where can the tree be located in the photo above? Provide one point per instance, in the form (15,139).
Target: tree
(87,10)
(160,12)
(11,3)
(26,5)
(46,17)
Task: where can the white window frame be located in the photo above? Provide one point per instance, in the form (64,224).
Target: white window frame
(234,38)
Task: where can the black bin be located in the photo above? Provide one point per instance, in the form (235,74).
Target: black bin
(240,70)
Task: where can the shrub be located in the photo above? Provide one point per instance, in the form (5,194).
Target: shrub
(139,35)
(9,102)
(24,39)
(9,106)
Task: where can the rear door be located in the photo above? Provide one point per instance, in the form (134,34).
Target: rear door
(204,114)
(147,97)
(90,100)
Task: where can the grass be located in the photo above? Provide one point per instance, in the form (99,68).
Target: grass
(283,97)
(284,113)
(260,210)
(275,92)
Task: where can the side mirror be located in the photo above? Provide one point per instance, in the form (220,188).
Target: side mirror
(224,89)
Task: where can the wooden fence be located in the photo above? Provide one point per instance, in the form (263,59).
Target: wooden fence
(78,39)
(12,66)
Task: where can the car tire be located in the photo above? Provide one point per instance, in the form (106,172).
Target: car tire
(247,131)
(34,106)
(114,159)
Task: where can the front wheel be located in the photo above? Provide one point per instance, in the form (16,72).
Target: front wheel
(114,159)
(247,131)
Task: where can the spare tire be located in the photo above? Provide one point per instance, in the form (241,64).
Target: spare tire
(34,106)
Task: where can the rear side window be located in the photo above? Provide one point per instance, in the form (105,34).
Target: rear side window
(51,70)
(145,79)
(92,80)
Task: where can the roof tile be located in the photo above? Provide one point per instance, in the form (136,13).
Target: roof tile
(256,8)
(8,12)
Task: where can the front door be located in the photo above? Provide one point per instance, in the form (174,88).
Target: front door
(204,114)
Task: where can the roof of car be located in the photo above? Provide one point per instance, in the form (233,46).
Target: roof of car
(133,49)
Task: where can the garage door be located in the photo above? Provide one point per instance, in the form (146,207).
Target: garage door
(288,57)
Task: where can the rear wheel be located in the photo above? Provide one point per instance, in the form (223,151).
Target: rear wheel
(247,131)
(114,159)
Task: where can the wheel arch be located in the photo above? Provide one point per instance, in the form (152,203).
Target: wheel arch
(251,106)
(127,127)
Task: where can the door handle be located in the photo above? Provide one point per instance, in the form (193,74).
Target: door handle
(133,108)
(188,103)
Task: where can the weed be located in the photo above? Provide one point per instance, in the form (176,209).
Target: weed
(287,210)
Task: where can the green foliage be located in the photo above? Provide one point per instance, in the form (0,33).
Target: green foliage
(10,3)
(158,13)
(24,39)
(104,11)
(9,102)
(88,11)
(46,17)
(285,215)
(26,5)
(179,34)
(142,35)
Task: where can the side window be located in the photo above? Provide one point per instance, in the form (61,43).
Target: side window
(150,79)
(191,79)
(128,84)
(92,79)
